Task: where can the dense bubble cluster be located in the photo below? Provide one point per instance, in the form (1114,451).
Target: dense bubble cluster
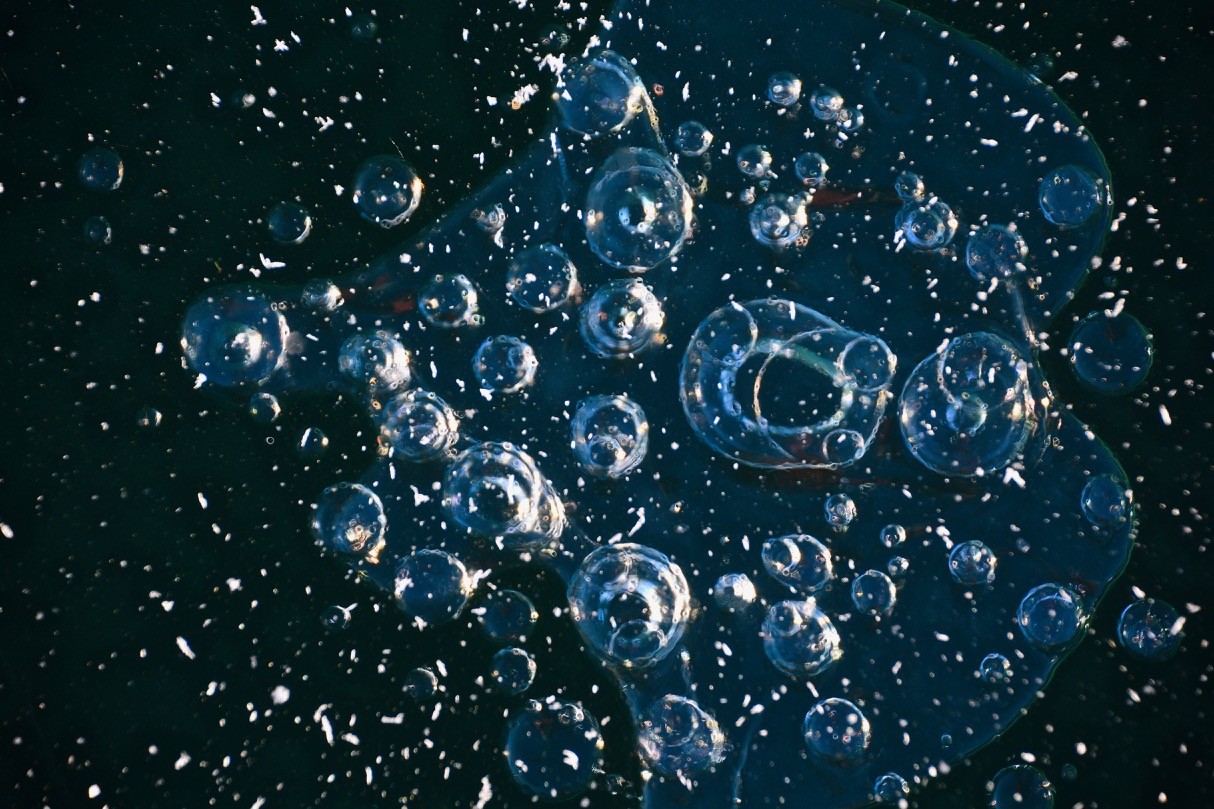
(972,407)
(610,435)
(386,190)
(631,604)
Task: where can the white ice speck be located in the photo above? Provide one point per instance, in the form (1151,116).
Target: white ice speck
(257,18)
(184,646)
(280,694)
(570,758)
(271,264)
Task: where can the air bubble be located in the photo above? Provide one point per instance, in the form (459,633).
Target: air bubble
(553,750)
(289,223)
(692,139)
(1106,502)
(432,585)
(811,168)
(893,535)
(610,435)
(784,89)
(778,220)
(234,339)
(504,364)
(322,295)
(909,187)
(97,231)
(925,226)
(1021,786)
(599,93)
(490,219)
(421,684)
(335,618)
(419,426)
(826,102)
(754,161)
(969,409)
(972,564)
(100,170)
(1111,354)
(995,669)
(638,210)
(836,731)
(148,418)
(1150,629)
(631,604)
(840,510)
(376,360)
(679,738)
(542,278)
(450,302)
(386,190)
(798,561)
(873,593)
(995,251)
(312,443)
(621,318)
(512,671)
(1070,196)
(799,639)
(734,592)
(508,616)
(264,407)
(1051,617)
(349,518)
(891,788)
(495,490)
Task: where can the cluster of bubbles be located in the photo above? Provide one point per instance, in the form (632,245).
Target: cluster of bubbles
(740,377)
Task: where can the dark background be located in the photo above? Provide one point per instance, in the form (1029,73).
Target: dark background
(112,556)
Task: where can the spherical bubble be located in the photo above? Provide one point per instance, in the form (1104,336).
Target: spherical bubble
(621,318)
(995,251)
(610,435)
(995,669)
(349,518)
(754,161)
(692,139)
(630,603)
(1051,617)
(873,593)
(148,418)
(504,364)
(432,585)
(840,511)
(363,26)
(893,535)
(289,223)
(386,190)
(1111,355)
(234,339)
(836,731)
(450,302)
(376,360)
(775,384)
(312,443)
(322,295)
(599,93)
(799,639)
(100,170)
(553,750)
(909,187)
(784,89)
(826,103)
(798,561)
(542,278)
(1021,786)
(97,231)
(421,684)
(494,489)
(507,616)
(970,409)
(419,426)
(850,119)
(972,564)
(1150,629)
(1070,196)
(898,567)
(925,226)
(679,738)
(512,671)
(491,219)
(811,168)
(335,618)
(264,407)
(1106,502)
(891,788)
(778,220)
(638,210)
(734,592)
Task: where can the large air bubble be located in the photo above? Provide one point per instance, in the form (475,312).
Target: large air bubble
(349,518)
(496,491)
(599,93)
(638,211)
(971,408)
(678,738)
(553,750)
(622,318)
(799,639)
(631,603)
(235,338)
(419,426)
(772,383)
(610,435)
(432,585)
(837,732)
